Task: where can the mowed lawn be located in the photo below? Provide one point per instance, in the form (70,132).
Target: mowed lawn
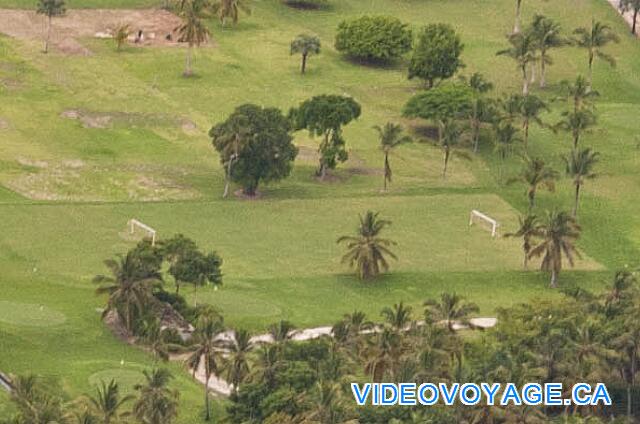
(67,191)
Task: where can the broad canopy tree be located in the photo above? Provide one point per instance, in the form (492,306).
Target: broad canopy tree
(324,116)
(436,55)
(258,142)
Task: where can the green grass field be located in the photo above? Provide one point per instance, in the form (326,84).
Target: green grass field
(66,191)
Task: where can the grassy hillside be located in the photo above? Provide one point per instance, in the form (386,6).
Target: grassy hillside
(69,187)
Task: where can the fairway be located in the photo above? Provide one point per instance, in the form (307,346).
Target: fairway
(89,141)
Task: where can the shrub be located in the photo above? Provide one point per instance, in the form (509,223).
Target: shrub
(374,38)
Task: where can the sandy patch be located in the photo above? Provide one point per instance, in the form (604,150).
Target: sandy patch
(156,26)
(90,119)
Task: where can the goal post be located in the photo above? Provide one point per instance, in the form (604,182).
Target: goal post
(134,223)
(476,215)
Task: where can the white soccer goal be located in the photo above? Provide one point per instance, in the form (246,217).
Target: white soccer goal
(477,215)
(134,223)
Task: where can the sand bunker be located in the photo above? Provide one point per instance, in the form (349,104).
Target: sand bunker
(155,25)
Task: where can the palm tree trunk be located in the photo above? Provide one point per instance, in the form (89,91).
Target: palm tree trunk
(227,181)
(387,170)
(635,18)
(532,198)
(532,79)
(177,287)
(577,200)
(554,279)
(516,26)
(195,295)
(543,80)
(207,413)
(187,69)
(525,80)
(447,153)
(590,75)
(631,384)
(46,41)
(304,63)
(525,124)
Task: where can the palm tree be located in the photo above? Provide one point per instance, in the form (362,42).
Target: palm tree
(451,133)
(516,25)
(121,34)
(155,337)
(193,30)
(281,332)
(206,353)
(579,93)
(399,317)
(382,352)
(529,109)
(305,45)
(156,403)
(230,9)
(325,403)
(634,6)
(266,365)
(107,404)
(528,228)
(367,251)
(34,403)
(522,51)
(82,417)
(506,138)
(557,241)
(577,122)
(390,136)
(536,174)
(129,287)
(593,40)
(236,364)
(481,110)
(50,8)
(546,35)
(579,167)
(451,309)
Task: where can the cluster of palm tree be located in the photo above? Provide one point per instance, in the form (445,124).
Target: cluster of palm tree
(39,401)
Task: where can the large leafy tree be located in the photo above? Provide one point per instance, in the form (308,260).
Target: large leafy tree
(593,40)
(107,403)
(527,230)
(50,9)
(522,51)
(198,269)
(373,38)
(258,142)
(174,250)
(367,251)
(546,36)
(305,45)
(324,116)
(206,353)
(579,167)
(634,7)
(192,30)
(436,55)
(451,309)
(156,402)
(129,286)
(534,175)
(390,136)
(558,235)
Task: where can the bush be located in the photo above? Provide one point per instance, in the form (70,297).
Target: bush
(374,38)
(306,4)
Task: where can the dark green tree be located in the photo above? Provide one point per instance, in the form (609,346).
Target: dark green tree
(324,116)
(373,38)
(436,55)
(198,269)
(156,402)
(262,152)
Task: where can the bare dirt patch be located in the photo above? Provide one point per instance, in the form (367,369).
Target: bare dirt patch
(4,124)
(91,119)
(156,26)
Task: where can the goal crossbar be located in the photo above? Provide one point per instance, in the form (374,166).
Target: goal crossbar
(477,214)
(133,223)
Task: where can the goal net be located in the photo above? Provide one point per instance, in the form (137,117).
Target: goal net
(478,217)
(136,227)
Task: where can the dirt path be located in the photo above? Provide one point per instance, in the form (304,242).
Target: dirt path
(218,385)
(628,16)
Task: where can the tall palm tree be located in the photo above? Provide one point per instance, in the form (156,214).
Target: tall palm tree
(577,123)
(266,365)
(205,353)
(281,332)
(230,9)
(398,317)
(451,134)
(121,34)
(390,136)
(579,167)
(34,403)
(506,138)
(381,354)
(529,108)
(481,109)
(193,30)
(451,309)
(82,417)
(156,339)
(536,174)
(51,9)
(236,364)
(593,40)
(546,36)
(325,403)
(129,287)
(305,45)
(522,51)
(107,404)
(558,235)
(527,229)
(156,403)
(579,93)
(367,252)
